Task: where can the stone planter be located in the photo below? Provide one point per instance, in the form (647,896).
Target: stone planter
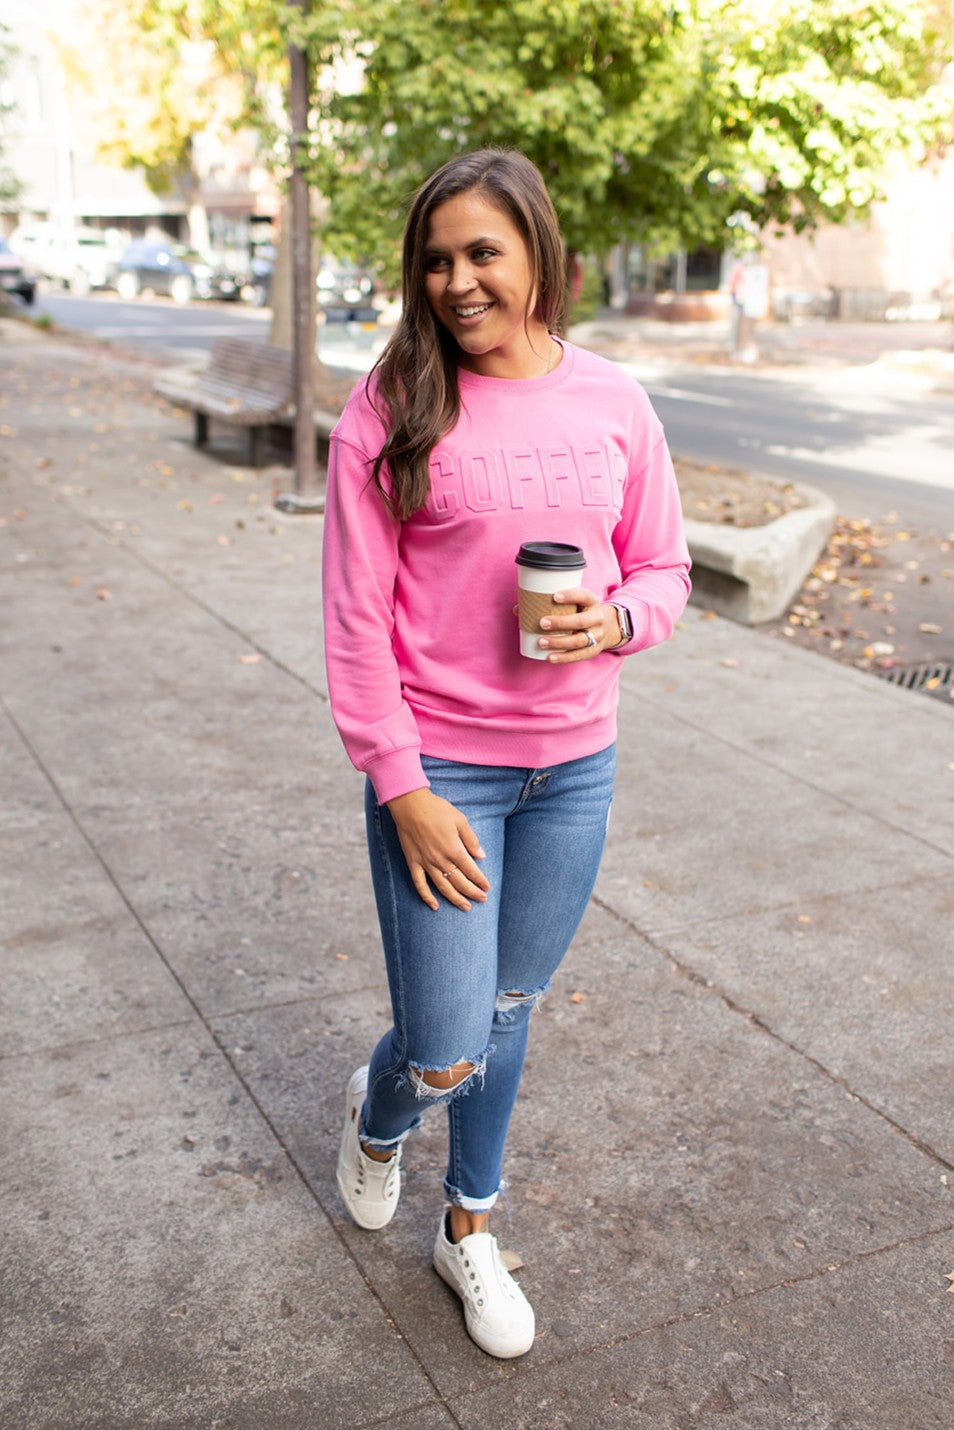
(751,574)
(705,306)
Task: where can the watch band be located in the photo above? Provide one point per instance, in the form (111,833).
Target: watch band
(625,624)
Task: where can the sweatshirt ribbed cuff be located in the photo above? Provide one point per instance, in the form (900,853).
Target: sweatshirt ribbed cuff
(397,772)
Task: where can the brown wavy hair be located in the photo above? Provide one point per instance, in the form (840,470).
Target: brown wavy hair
(416,376)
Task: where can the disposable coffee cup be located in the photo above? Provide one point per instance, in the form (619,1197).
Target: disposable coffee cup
(542,568)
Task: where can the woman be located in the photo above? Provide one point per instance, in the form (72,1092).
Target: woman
(490,776)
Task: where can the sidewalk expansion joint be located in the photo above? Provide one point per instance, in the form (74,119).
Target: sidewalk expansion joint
(155,570)
(402,1416)
(380,985)
(789,906)
(219,1044)
(759,758)
(110,1039)
(682,1318)
(836,1079)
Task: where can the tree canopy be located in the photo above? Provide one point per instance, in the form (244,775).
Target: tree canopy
(158,72)
(657,121)
(653,120)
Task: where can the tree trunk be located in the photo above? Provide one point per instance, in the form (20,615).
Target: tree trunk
(281,332)
(198,220)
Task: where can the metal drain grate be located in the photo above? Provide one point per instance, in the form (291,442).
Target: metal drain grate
(933,677)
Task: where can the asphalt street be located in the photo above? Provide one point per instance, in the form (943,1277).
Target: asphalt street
(872,439)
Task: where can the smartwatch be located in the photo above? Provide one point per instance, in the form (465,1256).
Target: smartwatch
(625,625)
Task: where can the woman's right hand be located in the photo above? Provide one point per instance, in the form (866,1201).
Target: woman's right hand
(439,845)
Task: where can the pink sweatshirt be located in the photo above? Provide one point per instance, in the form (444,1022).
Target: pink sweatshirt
(421,643)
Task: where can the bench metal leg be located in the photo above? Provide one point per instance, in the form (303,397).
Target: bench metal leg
(201,429)
(256,445)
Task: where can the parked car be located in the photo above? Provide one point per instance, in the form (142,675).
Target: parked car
(344,295)
(78,258)
(174,271)
(14,277)
(215,278)
(156,267)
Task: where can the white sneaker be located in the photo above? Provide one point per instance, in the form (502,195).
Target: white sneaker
(498,1316)
(370,1189)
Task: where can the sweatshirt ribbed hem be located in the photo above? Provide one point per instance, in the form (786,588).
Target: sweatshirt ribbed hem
(527,749)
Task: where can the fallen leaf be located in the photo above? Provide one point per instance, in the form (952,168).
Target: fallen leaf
(577,997)
(104,594)
(513,1260)
(949,1276)
(251,659)
(804,918)
(730,663)
(928,628)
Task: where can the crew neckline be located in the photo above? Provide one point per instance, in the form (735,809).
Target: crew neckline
(564,367)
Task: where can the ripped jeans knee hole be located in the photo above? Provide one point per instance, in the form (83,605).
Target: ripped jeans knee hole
(440,1082)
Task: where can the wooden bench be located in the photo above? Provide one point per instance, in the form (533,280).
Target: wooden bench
(247,384)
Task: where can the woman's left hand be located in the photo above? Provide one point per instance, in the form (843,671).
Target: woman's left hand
(581,634)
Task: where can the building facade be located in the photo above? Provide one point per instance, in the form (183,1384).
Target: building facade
(52,148)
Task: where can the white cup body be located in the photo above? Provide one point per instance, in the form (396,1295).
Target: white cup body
(545,582)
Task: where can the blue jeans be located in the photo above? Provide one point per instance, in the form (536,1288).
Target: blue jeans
(463,984)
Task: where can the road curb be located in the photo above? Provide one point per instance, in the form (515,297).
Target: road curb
(750,574)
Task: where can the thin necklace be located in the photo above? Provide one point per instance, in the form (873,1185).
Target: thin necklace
(552,351)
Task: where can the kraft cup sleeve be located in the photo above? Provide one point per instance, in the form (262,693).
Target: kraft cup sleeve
(536,604)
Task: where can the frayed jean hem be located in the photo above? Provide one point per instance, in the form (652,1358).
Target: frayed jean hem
(385,1144)
(469,1204)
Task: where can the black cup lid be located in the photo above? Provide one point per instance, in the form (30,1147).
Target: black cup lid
(551,556)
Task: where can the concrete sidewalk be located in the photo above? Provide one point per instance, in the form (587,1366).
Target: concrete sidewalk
(924,349)
(731,1173)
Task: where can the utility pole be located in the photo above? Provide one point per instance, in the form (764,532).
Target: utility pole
(306,497)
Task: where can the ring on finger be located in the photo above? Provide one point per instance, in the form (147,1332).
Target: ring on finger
(451,870)
(591,639)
